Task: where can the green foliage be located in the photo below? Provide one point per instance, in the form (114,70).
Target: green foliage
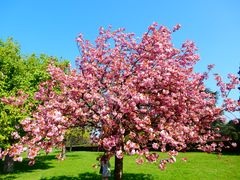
(77,136)
(18,72)
(230,129)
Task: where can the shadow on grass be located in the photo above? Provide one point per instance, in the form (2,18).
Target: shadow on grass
(42,162)
(69,155)
(8,178)
(91,176)
(229,153)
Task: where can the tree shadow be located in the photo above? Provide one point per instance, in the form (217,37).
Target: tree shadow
(228,153)
(83,176)
(131,176)
(95,176)
(42,162)
(8,177)
(231,153)
(72,155)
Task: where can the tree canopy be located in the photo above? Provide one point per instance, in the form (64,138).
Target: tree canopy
(135,94)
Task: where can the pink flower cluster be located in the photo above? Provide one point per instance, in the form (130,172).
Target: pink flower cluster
(177,27)
(109,143)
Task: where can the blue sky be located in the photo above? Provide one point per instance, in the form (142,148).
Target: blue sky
(51,26)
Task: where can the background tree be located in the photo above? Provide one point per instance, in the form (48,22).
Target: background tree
(232,129)
(77,136)
(19,76)
(134,93)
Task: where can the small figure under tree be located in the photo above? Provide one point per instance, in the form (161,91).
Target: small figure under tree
(105,167)
(136,94)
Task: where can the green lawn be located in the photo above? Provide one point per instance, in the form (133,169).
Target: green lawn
(78,165)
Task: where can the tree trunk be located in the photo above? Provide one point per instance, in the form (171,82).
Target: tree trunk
(8,164)
(71,143)
(118,172)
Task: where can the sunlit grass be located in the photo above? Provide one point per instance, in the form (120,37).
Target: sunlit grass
(78,165)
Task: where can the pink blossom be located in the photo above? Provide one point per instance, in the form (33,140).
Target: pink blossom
(122,130)
(172,159)
(48,150)
(109,143)
(50,134)
(139,152)
(152,157)
(132,152)
(31,162)
(155,145)
(162,166)
(210,66)
(234,145)
(33,152)
(235,121)
(15,135)
(177,27)
(140,161)
(19,159)
(221,144)
(173,153)
(119,154)
(184,159)
(132,135)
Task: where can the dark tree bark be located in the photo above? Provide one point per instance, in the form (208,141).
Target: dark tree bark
(118,171)
(8,164)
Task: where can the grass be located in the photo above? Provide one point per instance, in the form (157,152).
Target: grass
(78,165)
